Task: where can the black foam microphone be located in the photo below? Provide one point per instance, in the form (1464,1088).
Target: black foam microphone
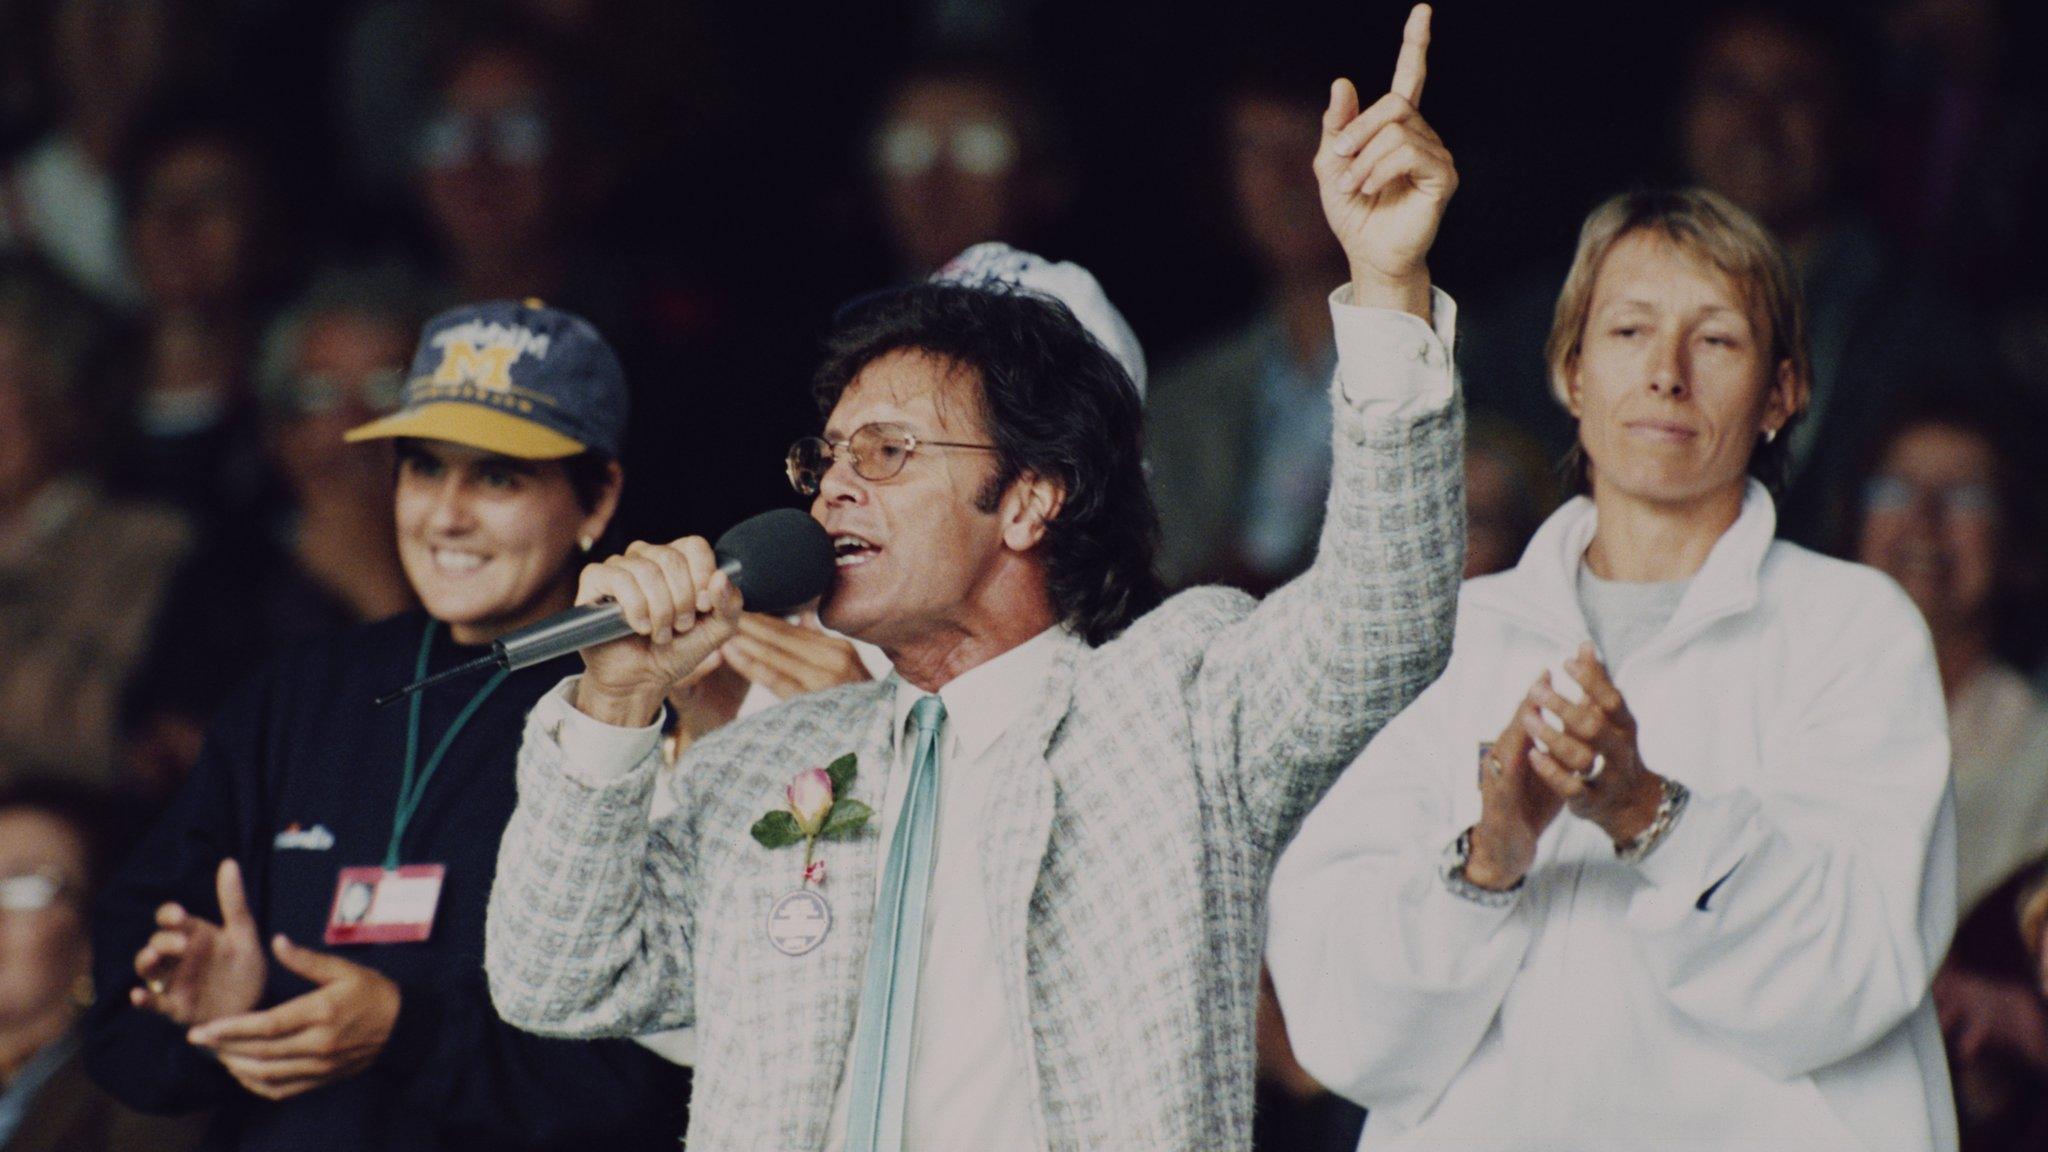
(778,560)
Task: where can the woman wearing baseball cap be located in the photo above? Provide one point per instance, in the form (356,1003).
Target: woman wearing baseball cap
(296,944)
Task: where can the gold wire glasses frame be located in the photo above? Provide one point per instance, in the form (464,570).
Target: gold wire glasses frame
(876,451)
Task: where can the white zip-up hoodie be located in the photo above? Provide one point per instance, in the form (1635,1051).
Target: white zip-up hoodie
(1760,981)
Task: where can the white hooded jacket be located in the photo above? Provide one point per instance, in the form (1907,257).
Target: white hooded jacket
(1760,981)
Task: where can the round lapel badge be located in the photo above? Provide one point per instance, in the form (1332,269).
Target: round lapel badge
(798,922)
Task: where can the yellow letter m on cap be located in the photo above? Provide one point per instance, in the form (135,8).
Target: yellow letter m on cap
(464,363)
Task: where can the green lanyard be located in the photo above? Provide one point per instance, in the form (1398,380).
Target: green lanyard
(414,784)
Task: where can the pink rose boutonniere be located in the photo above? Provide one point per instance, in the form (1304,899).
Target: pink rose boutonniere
(817,807)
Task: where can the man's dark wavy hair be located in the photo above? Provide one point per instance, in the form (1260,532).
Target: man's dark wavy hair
(1056,404)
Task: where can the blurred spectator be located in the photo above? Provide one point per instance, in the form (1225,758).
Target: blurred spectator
(1238,435)
(1766,117)
(1947,513)
(507,178)
(105,59)
(1766,120)
(205,231)
(1965,147)
(1989,994)
(324,558)
(1509,492)
(53,847)
(334,361)
(966,150)
(82,574)
(658,59)
(518,187)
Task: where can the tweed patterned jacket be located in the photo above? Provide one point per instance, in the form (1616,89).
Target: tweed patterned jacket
(1130,834)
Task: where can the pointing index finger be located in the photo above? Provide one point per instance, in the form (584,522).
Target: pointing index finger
(1412,66)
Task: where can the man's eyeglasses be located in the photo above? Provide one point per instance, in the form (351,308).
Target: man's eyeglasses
(31,891)
(876,451)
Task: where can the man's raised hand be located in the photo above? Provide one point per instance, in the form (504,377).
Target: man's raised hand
(1385,179)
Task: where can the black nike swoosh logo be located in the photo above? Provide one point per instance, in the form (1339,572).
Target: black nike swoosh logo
(1701,904)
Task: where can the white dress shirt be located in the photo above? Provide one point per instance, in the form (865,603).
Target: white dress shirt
(967,1080)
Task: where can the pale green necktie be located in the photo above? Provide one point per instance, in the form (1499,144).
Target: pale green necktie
(888,998)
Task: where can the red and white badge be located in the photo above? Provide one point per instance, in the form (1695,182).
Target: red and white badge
(385,905)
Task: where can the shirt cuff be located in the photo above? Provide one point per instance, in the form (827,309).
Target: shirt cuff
(592,750)
(1391,365)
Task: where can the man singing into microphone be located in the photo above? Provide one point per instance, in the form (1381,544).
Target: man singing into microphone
(1012,895)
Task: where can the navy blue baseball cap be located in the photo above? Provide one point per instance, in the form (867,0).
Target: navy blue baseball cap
(518,379)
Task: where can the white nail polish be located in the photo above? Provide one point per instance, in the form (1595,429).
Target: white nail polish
(1564,684)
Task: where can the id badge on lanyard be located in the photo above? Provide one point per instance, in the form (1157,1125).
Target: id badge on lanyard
(395,903)
(375,905)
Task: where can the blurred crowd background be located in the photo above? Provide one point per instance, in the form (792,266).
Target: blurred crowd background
(223,221)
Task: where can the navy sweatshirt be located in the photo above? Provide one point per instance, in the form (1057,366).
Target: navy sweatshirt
(298,780)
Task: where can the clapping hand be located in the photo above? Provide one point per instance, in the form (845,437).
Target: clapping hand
(331,1033)
(1515,807)
(194,970)
(1588,756)
(1385,178)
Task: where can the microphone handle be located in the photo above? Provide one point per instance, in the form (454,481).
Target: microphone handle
(584,626)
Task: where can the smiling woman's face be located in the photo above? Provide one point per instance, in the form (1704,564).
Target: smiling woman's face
(1674,383)
(488,542)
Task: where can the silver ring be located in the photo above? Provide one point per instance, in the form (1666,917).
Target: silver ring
(1493,765)
(1599,766)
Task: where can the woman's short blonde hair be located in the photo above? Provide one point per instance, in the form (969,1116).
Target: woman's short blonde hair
(1708,227)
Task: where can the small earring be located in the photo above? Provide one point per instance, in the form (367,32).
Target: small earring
(1770,435)
(587,543)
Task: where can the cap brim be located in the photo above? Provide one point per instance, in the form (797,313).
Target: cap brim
(473,426)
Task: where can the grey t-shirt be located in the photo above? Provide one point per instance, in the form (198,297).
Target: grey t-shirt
(1622,616)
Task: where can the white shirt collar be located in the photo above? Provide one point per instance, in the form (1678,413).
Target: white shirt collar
(984,701)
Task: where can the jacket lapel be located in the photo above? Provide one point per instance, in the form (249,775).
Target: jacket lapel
(819,1000)
(1016,831)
